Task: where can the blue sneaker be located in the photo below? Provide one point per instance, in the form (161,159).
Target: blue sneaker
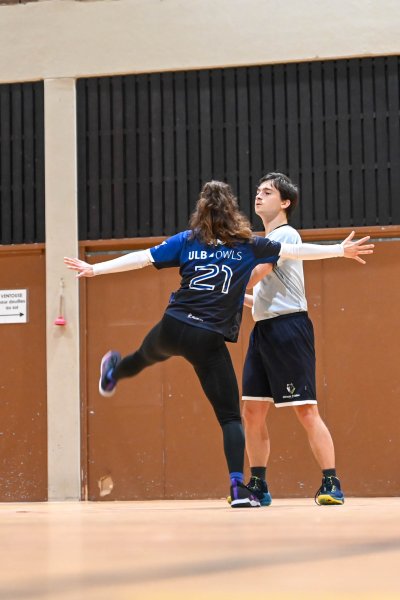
(259,488)
(329,492)
(107,384)
(241,496)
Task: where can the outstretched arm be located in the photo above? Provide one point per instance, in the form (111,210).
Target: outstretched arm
(133,260)
(346,249)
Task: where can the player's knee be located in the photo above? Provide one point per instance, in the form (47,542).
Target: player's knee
(253,413)
(308,415)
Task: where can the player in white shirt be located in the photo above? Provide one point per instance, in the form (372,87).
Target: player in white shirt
(280,363)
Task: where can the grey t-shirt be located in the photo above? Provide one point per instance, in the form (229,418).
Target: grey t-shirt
(282,292)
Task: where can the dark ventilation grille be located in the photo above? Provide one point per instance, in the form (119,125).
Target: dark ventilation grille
(147,143)
(22,216)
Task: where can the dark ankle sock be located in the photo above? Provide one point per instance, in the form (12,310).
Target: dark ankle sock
(260,472)
(329,473)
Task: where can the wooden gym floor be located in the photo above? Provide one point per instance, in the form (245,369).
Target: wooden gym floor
(198,550)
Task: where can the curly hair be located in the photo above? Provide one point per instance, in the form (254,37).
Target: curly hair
(217,216)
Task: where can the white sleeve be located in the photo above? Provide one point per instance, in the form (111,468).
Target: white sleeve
(127,262)
(311,251)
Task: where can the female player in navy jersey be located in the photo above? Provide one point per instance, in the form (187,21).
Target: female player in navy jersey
(216,257)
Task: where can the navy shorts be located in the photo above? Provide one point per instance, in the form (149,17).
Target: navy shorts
(280,361)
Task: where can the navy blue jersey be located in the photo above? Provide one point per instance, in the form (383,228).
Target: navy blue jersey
(214,279)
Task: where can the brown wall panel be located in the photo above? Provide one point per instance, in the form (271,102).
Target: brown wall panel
(126,432)
(158,437)
(362,381)
(23,414)
(194,454)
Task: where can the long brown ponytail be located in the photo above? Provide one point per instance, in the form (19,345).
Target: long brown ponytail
(217,216)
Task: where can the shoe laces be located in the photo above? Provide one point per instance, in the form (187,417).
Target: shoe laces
(256,484)
(329,484)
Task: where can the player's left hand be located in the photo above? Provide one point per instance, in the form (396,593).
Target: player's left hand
(354,249)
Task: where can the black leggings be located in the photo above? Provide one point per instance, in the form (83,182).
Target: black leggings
(207,352)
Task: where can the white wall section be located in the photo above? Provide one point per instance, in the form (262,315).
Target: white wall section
(66,38)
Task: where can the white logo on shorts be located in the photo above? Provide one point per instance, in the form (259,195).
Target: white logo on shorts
(291,389)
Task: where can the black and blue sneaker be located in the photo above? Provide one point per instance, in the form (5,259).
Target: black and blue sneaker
(241,496)
(259,488)
(329,492)
(107,384)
